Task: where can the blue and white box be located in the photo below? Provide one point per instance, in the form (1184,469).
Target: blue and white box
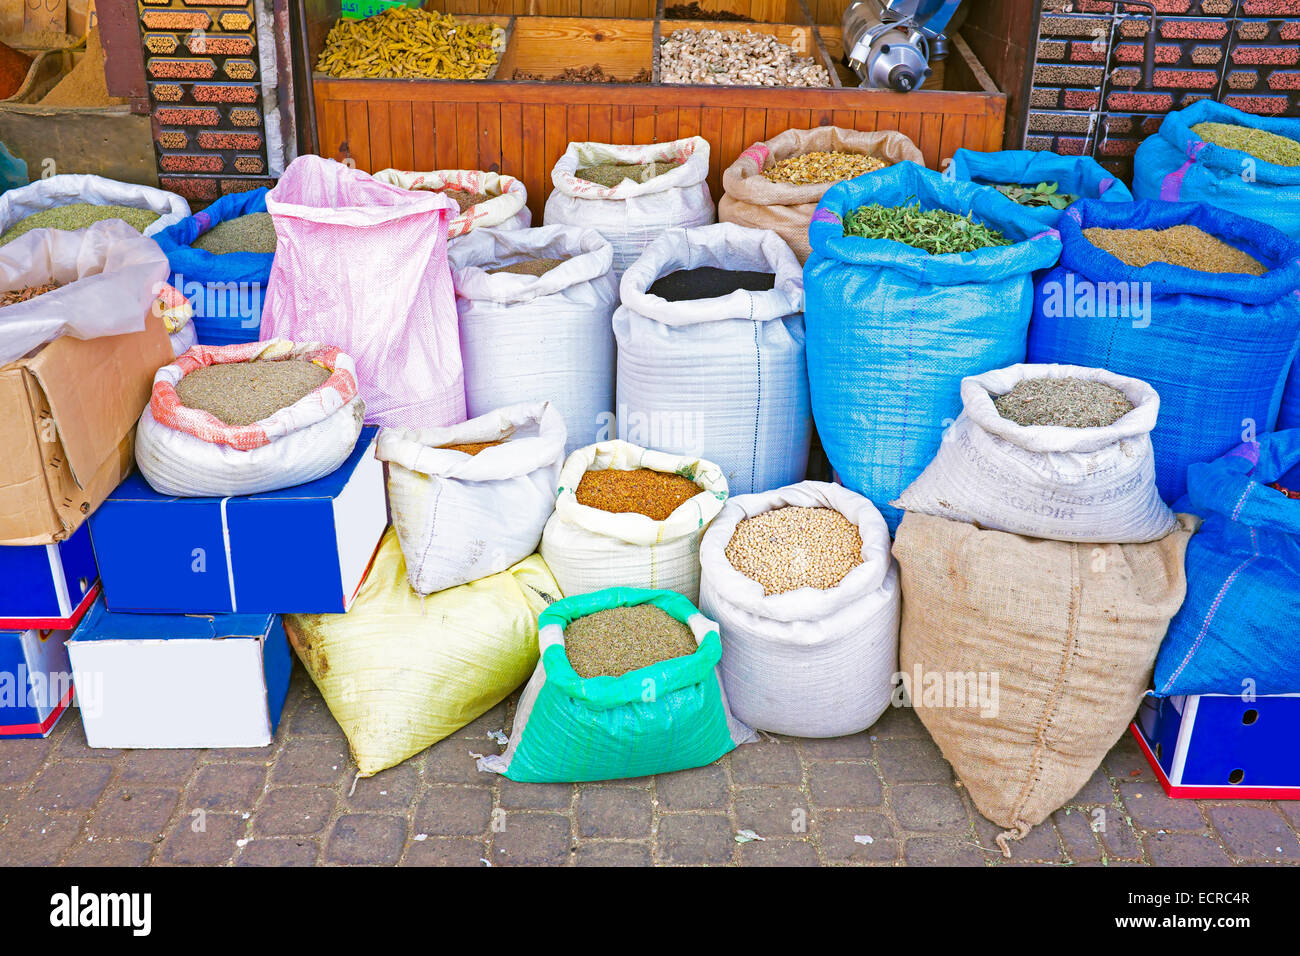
(47,586)
(1222,746)
(300,550)
(180,680)
(35,681)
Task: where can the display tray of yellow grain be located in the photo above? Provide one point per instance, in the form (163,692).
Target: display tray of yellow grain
(407,44)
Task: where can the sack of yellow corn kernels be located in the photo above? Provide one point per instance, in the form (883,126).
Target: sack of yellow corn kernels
(753,199)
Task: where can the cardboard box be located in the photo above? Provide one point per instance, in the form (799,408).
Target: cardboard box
(160,681)
(35,681)
(47,585)
(301,550)
(67,428)
(1222,747)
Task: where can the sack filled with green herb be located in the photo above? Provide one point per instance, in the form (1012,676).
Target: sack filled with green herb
(1043,182)
(893,327)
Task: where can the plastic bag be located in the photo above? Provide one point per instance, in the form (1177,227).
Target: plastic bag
(721,378)
(503,209)
(751,199)
(632,215)
(1080,176)
(400,672)
(227,289)
(892,329)
(460,517)
(1057,482)
(809,662)
(1237,630)
(112,276)
(191,453)
(588,549)
(1215,346)
(569,729)
(1177,165)
(68,189)
(364,265)
(539,338)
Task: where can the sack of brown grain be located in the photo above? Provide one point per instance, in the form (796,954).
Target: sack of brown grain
(752,199)
(1050,644)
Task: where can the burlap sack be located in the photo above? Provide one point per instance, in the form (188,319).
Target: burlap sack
(751,199)
(1069,632)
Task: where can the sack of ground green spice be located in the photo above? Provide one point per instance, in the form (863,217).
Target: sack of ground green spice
(1216,346)
(364,265)
(638,530)
(239,419)
(157,208)
(1026,659)
(1237,631)
(715,372)
(401,671)
(1071,461)
(226,288)
(101,281)
(894,328)
(667,715)
(470,500)
(801,582)
(535,308)
(752,199)
(631,214)
(1076,177)
(1257,176)
(485,200)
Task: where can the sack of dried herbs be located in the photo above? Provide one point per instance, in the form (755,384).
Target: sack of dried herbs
(1081,177)
(1057,639)
(611,543)
(68,189)
(666,716)
(1215,346)
(892,329)
(463,516)
(1076,466)
(242,419)
(1178,164)
(486,200)
(752,199)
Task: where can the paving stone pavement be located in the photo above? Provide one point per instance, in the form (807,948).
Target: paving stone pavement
(882,798)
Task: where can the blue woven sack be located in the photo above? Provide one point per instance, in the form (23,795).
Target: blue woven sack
(1215,346)
(1176,165)
(1289,416)
(892,330)
(1239,628)
(227,291)
(1080,176)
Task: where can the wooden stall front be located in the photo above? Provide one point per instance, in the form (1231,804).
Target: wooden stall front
(521,128)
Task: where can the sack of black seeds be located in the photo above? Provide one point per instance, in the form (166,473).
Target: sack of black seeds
(535,308)
(241,419)
(670,714)
(470,500)
(711,354)
(1077,466)
(661,186)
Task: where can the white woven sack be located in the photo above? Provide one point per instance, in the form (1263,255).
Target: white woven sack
(503,209)
(632,215)
(309,439)
(808,663)
(538,338)
(462,517)
(1054,482)
(588,549)
(723,378)
(72,188)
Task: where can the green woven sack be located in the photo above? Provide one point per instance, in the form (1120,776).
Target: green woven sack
(669,716)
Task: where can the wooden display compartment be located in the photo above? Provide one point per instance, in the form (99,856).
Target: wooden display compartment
(801,38)
(546,46)
(760,11)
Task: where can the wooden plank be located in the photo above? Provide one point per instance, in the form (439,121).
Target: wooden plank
(489,137)
(357,139)
(600,124)
(423,155)
(512,140)
(711,129)
(624,128)
(954,128)
(777,121)
(884,120)
(909,124)
(576,123)
(754,131)
(401,132)
(333,128)
(931,130)
(445,136)
(643,124)
(666,124)
(557,134)
(535,173)
(688,122)
(466,136)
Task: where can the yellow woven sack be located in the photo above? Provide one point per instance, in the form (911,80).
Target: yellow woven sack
(400,672)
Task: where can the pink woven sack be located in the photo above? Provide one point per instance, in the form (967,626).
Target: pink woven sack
(363,264)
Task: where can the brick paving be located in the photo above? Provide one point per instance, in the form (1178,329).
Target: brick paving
(881,798)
